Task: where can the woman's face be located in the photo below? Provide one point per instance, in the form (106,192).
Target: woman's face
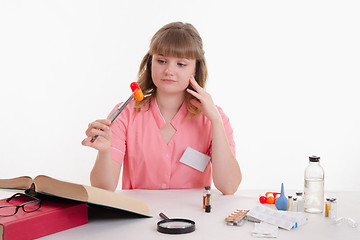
(171,75)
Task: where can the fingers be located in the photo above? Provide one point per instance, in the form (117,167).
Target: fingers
(101,122)
(99,127)
(205,104)
(196,103)
(199,92)
(87,142)
(195,85)
(195,94)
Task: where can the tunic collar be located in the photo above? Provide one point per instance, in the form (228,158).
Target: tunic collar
(159,119)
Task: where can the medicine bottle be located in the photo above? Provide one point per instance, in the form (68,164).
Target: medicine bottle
(289,203)
(294,205)
(314,186)
(333,208)
(300,202)
(327,207)
(206,191)
(208,203)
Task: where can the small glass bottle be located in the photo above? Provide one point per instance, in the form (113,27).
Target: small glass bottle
(289,203)
(333,208)
(314,186)
(327,207)
(208,203)
(206,191)
(300,202)
(294,205)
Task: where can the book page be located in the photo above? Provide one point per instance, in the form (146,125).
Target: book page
(45,184)
(16,183)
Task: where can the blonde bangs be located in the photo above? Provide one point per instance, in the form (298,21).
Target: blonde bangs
(175,43)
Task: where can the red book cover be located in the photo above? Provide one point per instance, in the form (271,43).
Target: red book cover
(53,216)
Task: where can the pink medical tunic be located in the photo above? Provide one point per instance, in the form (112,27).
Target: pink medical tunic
(148,162)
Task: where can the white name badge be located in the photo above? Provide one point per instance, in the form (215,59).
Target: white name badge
(195,159)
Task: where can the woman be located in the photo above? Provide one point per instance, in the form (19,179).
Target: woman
(167,140)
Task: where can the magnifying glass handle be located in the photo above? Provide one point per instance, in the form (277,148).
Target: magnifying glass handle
(163,216)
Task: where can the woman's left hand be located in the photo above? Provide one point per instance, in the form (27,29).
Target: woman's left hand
(206,104)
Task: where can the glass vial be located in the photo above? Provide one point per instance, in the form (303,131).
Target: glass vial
(206,191)
(333,208)
(289,203)
(314,186)
(327,207)
(294,205)
(300,201)
(208,203)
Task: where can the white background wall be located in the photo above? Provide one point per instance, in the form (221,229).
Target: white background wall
(286,73)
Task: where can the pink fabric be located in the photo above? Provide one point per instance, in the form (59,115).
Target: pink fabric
(150,163)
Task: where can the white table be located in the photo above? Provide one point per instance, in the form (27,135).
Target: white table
(188,204)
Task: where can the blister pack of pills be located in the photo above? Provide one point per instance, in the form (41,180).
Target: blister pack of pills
(282,219)
(237,218)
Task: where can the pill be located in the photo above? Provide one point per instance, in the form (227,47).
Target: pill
(138,94)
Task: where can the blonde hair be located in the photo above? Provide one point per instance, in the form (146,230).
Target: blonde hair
(175,39)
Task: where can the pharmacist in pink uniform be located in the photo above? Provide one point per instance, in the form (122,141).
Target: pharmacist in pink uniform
(176,138)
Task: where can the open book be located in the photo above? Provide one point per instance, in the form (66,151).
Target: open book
(46,185)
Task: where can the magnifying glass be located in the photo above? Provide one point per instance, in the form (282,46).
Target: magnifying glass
(175,225)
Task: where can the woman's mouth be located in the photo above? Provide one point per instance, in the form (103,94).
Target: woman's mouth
(168,80)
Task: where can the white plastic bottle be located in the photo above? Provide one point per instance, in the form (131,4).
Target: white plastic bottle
(314,186)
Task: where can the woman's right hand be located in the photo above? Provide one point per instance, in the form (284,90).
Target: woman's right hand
(100,128)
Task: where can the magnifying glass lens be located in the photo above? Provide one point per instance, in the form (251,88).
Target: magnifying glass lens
(175,224)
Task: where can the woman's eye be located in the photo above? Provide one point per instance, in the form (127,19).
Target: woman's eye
(182,64)
(161,61)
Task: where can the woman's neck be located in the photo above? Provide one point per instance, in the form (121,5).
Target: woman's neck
(169,105)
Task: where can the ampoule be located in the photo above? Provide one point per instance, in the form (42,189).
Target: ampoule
(206,191)
(208,203)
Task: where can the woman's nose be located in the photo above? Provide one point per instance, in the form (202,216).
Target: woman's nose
(169,70)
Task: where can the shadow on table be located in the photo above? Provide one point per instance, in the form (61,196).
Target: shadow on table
(103,213)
